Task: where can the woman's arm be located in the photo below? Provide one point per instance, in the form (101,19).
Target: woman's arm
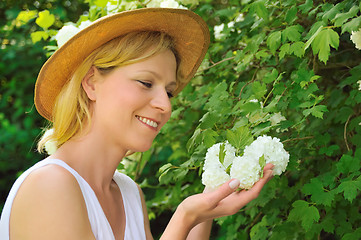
(50,205)
(200,209)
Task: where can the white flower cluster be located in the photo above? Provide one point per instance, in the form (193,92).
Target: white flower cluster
(68,31)
(164,4)
(114,6)
(218,29)
(214,171)
(272,150)
(359,85)
(50,146)
(246,168)
(356,38)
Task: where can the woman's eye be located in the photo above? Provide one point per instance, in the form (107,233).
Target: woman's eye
(170,95)
(146,84)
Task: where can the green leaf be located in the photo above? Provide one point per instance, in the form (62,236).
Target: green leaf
(262,54)
(316,111)
(165,177)
(329,150)
(348,164)
(309,42)
(262,163)
(297,49)
(303,212)
(350,188)
(306,7)
(291,15)
(328,224)
(180,173)
(292,33)
(331,13)
(38,35)
(352,235)
(259,89)
(322,42)
(222,153)
(260,9)
(352,25)
(45,19)
(318,195)
(194,140)
(284,49)
(341,18)
(249,107)
(101,3)
(274,41)
(25,16)
(208,120)
(240,138)
(260,231)
(270,76)
(208,137)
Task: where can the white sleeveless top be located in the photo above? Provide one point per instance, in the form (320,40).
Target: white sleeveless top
(134,227)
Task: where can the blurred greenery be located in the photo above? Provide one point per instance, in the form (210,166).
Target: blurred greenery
(20,62)
(287,69)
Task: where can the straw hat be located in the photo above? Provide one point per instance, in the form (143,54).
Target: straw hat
(189,31)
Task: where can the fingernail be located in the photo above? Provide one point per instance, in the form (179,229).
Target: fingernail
(234,183)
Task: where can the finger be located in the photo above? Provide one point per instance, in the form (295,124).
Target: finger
(223,191)
(268,166)
(257,187)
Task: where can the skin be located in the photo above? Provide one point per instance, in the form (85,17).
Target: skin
(118,99)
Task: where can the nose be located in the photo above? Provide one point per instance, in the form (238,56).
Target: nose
(161,101)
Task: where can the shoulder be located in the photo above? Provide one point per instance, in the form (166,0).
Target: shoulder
(49,199)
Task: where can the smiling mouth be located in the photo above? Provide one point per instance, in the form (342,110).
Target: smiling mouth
(148,121)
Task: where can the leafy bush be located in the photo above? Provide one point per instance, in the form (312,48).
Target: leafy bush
(287,69)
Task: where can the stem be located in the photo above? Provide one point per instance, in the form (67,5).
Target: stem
(345,132)
(215,64)
(297,139)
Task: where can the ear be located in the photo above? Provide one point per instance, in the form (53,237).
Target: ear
(88,83)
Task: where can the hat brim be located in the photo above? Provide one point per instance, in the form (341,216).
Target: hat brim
(189,31)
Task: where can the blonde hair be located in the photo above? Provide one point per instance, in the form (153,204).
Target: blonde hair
(71,111)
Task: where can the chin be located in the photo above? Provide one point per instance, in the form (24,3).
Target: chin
(141,148)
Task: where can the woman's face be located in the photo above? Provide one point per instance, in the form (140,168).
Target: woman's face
(131,104)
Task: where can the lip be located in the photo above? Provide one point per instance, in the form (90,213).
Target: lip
(149,126)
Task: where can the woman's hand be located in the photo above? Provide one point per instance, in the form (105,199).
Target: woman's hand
(224,201)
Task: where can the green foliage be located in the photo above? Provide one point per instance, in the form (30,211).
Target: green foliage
(287,69)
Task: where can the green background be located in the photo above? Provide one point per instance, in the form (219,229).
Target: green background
(294,57)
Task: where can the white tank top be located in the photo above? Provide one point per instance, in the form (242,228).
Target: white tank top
(134,227)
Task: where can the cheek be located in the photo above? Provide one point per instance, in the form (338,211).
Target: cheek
(167,117)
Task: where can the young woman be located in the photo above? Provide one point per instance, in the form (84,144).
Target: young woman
(107,93)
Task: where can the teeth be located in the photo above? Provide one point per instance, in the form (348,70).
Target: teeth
(149,122)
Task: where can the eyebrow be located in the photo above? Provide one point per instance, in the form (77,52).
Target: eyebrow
(171,84)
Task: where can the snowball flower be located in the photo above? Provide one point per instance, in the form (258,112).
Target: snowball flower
(65,33)
(272,150)
(164,4)
(359,85)
(84,24)
(356,38)
(218,31)
(50,145)
(239,18)
(171,4)
(247,170)
(215,172)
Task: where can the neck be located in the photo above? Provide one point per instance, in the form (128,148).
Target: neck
(92,158)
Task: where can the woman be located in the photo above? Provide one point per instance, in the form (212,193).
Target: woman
(106,92)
